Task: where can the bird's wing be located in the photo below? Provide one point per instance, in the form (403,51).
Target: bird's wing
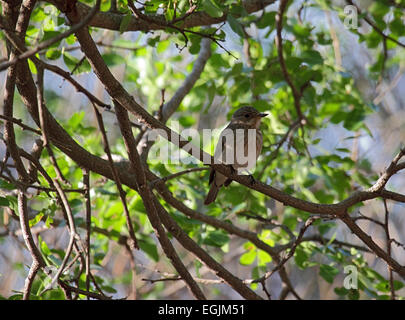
(230,137)
(212,176)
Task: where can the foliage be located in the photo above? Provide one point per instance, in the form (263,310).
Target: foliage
(296,158)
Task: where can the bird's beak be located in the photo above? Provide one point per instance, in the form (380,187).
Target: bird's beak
(262,115)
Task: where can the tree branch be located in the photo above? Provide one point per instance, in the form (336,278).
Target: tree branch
(168,108)
(113,21)
(148,200)
(48,43)
(374,26)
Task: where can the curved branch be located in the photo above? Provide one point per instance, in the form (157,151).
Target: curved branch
(368,240)
(48,43)
(374,26)
(114,88)
(279,43)
(148,200)
(173,104)
(113,21)
(236,283)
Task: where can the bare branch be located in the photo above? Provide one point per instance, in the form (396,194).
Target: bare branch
(47,43)
(393,168)
(38,260)
(372,245)
(112,21)
(148,200)
(86,183)
(168,108)
(268,274)
(388,244)
(176,175)
(279,44)
(374,26)
(122,194)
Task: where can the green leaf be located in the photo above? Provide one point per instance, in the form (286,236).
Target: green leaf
(312,57)
(235,25)
(384,286)
(109,289)
(263,258)
(76,120)
(268,20)
(6,185)
(162,46)
(36,219)
(248,258)
(211,7)
(397,27)
(12,203)
(353,294)
(75,64)
(113,59)
(187,121)
(32,66)
(4,202)
(301,30)
(53,54)
(71,39)
(49,34)
(342,291)
(354,119)
(44,247)
(216,238)
(328,272)
(150,249)
(125,23)
(378,9)
(301,257)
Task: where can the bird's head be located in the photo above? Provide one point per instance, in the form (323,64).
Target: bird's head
(249,116)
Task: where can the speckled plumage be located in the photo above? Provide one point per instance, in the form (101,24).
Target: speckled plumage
(230,151)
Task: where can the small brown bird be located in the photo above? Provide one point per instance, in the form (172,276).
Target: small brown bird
(239,146)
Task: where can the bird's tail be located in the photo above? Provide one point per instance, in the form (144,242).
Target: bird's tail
(212,194)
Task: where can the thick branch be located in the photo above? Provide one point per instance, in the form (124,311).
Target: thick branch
(48,43)
(113,21)
(148,200)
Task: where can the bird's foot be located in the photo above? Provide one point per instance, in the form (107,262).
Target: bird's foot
(252,179)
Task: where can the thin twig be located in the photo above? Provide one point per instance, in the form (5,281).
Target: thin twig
(374,26)
(122,194)
(176,175)
(148,199)
(89,294)
(268,274)
(44,125)
(20,123)
(38,260)
(279,44)
(47,43)
(86,183)
(388,244)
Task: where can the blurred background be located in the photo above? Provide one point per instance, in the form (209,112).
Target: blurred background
(154,68)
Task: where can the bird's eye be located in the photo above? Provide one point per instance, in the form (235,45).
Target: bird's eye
(246,116)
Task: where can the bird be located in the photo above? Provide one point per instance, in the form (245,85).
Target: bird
(235,143)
